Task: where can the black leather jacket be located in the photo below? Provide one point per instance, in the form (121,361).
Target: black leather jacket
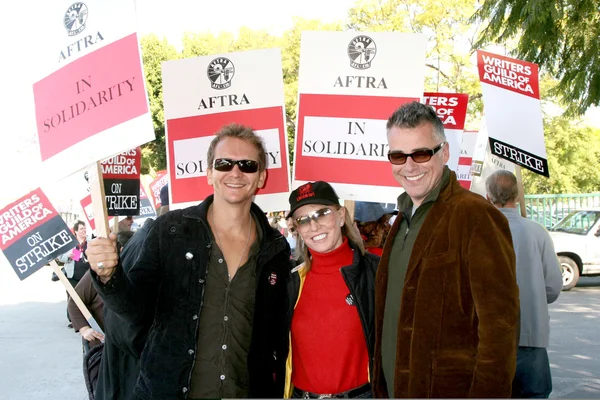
(170,273)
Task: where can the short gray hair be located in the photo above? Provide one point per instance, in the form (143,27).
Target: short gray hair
(413,114)
(502,187)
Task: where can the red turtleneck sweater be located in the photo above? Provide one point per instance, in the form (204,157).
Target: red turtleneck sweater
(329,351)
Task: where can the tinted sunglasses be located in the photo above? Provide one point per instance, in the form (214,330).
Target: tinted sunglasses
(315,216)
(227,164)
(397,157)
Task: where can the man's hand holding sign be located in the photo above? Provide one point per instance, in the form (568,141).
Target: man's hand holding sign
(103,257)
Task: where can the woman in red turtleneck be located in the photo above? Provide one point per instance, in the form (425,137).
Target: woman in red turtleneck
(331,335)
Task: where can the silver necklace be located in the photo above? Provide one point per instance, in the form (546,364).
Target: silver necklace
(218,239)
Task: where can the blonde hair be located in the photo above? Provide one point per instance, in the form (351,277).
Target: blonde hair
(348,231)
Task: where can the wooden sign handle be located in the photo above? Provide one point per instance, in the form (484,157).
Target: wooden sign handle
(350,207)
(86,313)
(521,191)
(98,199)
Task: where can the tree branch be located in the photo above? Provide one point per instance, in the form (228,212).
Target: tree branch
(438,70)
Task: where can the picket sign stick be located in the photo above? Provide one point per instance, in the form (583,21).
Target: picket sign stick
(521,191)
(98,200)
(86,313)
(350,206)
(116,225)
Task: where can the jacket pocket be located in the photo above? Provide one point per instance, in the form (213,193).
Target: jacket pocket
(438,260)
(452,374)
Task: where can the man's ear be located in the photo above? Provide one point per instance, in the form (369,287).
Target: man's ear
(262,179)
(209,176)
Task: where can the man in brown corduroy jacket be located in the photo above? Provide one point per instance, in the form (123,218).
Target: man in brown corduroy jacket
(446,296)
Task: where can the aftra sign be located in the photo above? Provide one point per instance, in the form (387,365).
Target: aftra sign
(197,105)
(87,106)
(349,85)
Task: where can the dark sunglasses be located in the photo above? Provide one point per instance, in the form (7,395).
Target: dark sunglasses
(397,157)
(227,164)
(315,216)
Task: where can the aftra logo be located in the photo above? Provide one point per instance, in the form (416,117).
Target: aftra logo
(361,50)
(75,18)
(220,72)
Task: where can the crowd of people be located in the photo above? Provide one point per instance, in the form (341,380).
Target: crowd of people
(445,295)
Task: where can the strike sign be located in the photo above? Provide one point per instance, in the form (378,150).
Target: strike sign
(121,175)
(32,233)
(513,112)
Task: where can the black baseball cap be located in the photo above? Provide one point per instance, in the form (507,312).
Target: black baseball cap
(312,193)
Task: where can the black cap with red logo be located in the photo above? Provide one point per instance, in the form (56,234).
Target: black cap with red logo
(312,193)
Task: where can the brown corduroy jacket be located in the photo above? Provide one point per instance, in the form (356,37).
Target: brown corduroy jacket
(459,316)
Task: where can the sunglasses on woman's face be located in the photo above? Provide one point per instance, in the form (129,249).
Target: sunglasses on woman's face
(227,164)
(316,216)
(397,157)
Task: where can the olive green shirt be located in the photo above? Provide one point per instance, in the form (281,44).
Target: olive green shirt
(225,328)
(411,223)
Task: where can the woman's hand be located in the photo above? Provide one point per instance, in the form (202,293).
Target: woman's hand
(89,334)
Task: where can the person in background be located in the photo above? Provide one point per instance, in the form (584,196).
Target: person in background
(446,296)
(125,224)
(164,200)
(75,260)
(540,282)
(373,222)
(332,295)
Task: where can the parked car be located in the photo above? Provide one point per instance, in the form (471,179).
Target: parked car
(545,216)
(577,244)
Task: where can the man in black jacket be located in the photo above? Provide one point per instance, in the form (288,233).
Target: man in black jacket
(216,275)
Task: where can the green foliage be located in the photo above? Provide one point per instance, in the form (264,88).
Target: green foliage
(561,36)
(154,52)
(573,157)
(290,49)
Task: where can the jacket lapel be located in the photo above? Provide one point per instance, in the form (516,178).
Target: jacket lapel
(426,234)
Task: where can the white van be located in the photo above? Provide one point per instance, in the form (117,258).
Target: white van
(577,244)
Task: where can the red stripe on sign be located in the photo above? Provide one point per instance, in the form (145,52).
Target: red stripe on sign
(465,184)
(508,73)
(23,216)
(155,186)
(96,92)
(465,160)
(197,189)
(126,165)
(451,108)
(351,171)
